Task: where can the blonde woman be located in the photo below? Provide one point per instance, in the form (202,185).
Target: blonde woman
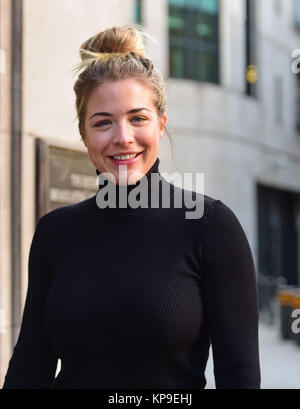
(133,296)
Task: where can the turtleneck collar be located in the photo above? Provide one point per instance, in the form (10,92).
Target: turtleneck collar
(121,196)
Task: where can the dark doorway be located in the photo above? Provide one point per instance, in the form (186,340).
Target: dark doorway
(277,234)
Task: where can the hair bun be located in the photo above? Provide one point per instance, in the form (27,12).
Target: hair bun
(125,39)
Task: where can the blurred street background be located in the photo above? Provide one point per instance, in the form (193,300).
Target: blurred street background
(232,70)
(279,361)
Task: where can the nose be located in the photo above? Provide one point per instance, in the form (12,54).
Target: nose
(123,134)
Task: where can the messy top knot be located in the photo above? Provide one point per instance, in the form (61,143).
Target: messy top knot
(116,53)
(116,40)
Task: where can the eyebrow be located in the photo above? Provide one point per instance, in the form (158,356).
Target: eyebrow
(132,111)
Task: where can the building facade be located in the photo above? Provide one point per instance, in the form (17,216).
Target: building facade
(233,94)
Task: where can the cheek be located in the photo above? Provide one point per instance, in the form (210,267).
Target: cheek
(95,143)
(150,137)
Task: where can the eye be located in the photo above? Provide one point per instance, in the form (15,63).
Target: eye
(101,123)
(140,118)
(106,121)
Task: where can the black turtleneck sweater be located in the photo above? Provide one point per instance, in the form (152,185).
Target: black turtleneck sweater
(133,298)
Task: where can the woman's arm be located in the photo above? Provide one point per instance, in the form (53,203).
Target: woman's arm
(33,363)
(230,300)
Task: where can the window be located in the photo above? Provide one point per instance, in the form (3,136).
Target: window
(297,13)
(194,39)
(138,11)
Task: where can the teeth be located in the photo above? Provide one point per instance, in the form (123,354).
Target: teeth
(124,157)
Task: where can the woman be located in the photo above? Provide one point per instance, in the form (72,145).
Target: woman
(126,296)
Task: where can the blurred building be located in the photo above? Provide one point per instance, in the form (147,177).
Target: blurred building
(233,93)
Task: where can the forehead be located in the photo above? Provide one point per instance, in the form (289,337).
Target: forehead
(119,96)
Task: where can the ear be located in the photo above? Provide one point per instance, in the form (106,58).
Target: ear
(163,121)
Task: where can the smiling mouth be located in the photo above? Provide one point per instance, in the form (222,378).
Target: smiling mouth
(126,160)
(125,157)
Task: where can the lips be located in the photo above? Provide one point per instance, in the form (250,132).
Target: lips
(125,161)
(124,154)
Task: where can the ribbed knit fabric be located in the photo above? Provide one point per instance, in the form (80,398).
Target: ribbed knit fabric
(133,298)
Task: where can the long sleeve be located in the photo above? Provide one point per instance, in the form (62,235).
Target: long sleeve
(230,300)
(33,363)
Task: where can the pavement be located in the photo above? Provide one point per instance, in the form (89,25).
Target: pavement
(279,361)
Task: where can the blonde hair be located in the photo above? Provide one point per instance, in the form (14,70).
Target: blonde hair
(117,53)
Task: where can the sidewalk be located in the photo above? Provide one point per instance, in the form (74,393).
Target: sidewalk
(279,361)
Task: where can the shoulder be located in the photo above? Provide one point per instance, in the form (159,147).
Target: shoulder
(224,239)
(57,229)
(220,218)
(66,215)
(197,206)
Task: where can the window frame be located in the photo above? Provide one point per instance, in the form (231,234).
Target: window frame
(193,46)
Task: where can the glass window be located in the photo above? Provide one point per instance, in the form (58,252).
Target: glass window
(176,62)
(206,27)
(206,6)
(206,65)
(177,3)
(138,11)
(194,39)
(177,22)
